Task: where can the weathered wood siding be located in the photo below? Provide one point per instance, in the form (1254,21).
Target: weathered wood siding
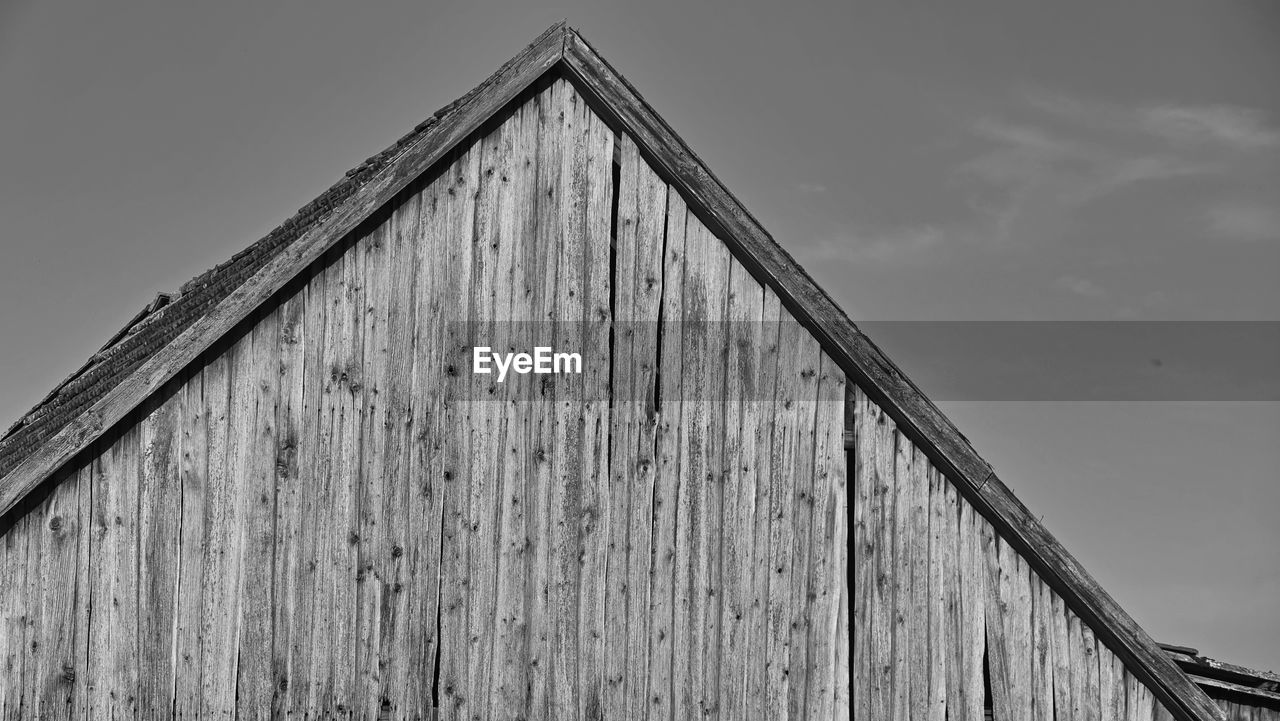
(1248,712)
(330,516)
(951,622)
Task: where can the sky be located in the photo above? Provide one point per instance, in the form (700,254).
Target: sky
(978,161)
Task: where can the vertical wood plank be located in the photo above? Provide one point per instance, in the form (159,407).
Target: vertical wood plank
(13,606)
(287,579)
(1041,650)
(761,413)
(941,593)
(113,641)
(593,525)
(449,236)
(1062,700)
(564,509)
(375,564)
(916,577)
(407,618)
(973,594)
(880,532)
(1090,705)
(900,576)
(491,290)
(745,310)
(863,550)
(159,523)
(254,686)
(311,612)
(189,613)
(827,543)
(801,506)
(511,520)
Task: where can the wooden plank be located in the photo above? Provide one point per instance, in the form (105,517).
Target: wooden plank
(159,513)
(347,474)
(1107,685)
(1041,689)
(564,493)
(60,656)
(690,541)
(255,688)
(882,441)
(827,544)
(1090,697)
(542,270)
(745,309)
(190,621)
(421,313)
(288,578)
(375,564)
(1079,665)
(518,289)
(31,590)
(310,618)
(623,440)
(517,286)
(1001,654)
(884,382)
(915,570)
(863,544)
(649,226)
(593,526)
(1063,701)
(113,640)
(782,560)
(760,414)
(973,616)
(941,563)
(329,536)
(955,646)
(717,280)
(1014,605)
(490,290)
(407,619)
(675,460)
(808,370)
(13,611)
(898,521)
(449,237)
(229,394)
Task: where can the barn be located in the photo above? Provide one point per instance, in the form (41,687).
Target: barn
(290,490)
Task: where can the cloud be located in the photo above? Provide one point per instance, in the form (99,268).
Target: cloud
(1229,127)
(892,245)
(1243,222)
(1031,177)
(1232,126)
(1080,286)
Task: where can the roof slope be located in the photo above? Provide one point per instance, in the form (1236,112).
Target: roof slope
(162,320)
(165,341)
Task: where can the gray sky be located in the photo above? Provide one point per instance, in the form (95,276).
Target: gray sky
(970,161)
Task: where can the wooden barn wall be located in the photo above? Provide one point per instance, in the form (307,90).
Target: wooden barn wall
(952,622)
(1237,711)
(327,520)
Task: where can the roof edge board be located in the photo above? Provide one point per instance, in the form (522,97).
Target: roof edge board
(924,423)
(514,77)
